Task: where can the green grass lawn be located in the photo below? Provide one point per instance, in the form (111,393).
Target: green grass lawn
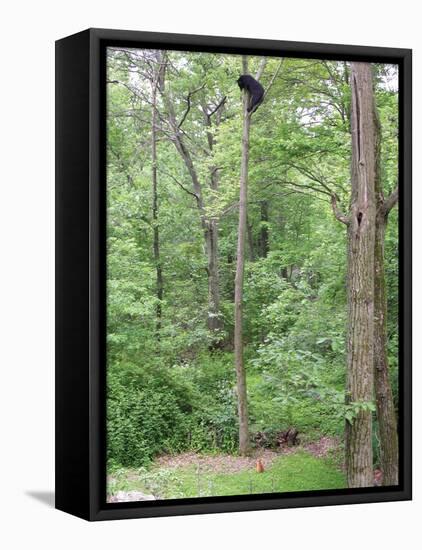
(299,471)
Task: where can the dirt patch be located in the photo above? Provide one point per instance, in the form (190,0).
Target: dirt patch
(322,447)
(233,464)
(223,463)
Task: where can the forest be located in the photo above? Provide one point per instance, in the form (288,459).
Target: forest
(252,275)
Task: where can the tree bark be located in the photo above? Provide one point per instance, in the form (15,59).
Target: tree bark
(244,444)
(156,230)
(263,232)
(214,321)
(361,243)
(250,240)
(387,424)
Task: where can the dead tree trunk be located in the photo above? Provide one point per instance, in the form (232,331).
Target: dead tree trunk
(361,243)
(244,445)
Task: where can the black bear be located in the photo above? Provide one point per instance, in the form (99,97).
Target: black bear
(255,90)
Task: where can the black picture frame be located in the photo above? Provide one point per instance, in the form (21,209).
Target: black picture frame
(80,274)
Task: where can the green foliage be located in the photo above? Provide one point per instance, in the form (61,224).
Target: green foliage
(352,410)
(143,423)
(154,410)
(297,390)
(169,390)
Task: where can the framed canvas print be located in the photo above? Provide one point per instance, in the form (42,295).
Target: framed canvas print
(233,274)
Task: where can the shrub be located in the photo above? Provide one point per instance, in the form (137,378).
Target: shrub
(142,423)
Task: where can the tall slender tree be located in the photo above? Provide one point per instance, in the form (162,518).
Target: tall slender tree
(157,80)
(242,398)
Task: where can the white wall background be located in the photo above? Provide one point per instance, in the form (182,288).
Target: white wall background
(26,289)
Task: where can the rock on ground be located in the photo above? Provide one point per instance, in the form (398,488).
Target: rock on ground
(129,496)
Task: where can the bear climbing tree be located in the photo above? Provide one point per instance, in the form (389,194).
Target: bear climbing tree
(254,89)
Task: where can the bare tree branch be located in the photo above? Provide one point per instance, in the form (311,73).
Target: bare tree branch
(391,201)
(273,78)
(261,68)
(222,102)
(179,183)
(311,175)
(190,94)
(337,212)
(133,91)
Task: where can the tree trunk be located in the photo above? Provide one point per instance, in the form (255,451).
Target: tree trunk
(250,240)
(214,321)
(209,226)
(156,230)
(361,242)
(387,423)
(263,232)
(244,445)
